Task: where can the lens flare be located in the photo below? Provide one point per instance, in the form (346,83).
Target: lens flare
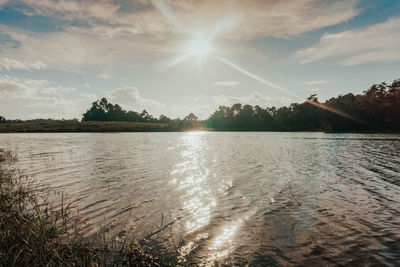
(200,48)
(257,78)
(335,111)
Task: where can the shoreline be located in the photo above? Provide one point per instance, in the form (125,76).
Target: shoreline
(123,127)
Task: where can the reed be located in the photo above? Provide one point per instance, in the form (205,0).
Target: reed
(35,232)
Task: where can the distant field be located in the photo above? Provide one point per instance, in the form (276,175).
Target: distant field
(74,126)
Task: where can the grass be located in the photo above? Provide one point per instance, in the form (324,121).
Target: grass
(33,232)
(76,126)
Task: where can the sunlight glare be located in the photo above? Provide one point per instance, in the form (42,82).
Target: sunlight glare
(200,48)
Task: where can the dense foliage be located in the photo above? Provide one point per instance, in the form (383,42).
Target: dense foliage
(102,110)
(377,109)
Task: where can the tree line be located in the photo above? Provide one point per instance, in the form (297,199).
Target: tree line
(102,110)
(375,109)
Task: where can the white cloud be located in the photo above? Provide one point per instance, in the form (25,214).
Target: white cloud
(28,99)
(105,76)
(206,104)
(82,9)
(253,99)
(78,50)
(242,19)
(316,82)
(375,43)
(15,87)
(12,64)
(226,83)
(130,99)
(112,34)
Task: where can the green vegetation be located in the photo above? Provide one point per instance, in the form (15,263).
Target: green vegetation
(375,110)
(102,110)
(76,126)
(33,232)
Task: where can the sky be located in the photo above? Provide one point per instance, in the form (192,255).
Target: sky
(175,57)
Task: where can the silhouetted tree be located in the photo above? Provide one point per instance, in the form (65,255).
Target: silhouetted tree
(164,119)
(378,108)
(191,118)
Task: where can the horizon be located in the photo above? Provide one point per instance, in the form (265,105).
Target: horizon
(57,57)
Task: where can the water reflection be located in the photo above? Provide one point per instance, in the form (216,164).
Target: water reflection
(268,198)
(191,179)
(222,245)
(199,189)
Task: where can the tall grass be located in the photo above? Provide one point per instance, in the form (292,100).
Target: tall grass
(34,232)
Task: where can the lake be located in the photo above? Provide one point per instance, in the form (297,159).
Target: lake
(256,198)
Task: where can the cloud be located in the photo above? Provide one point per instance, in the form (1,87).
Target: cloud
(130,98)
(254,98)
(205,105)
(28,99)
(379,42)
(3,2)
(245,19)
(82,9)
(316,82)
(9,88)
(78,50)
(12,64)
(15,87)
(105,76)
(95,33)
(226,83)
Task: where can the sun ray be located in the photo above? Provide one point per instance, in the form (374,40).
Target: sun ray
(294,96)
(335,111)
(201,47)
(167,12)
(257,78)
(175,61)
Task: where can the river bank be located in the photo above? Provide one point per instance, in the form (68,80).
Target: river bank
(76,126)
(37,232)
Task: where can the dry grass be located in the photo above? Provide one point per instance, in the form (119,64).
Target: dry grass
(33,232)
(75,126)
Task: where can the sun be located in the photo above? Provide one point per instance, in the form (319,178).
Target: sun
(200,48)
(195,49)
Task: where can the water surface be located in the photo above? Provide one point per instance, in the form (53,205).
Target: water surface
(234,197)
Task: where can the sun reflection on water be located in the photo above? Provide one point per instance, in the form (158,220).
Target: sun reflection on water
(199,189)
(222,244)
(191,178)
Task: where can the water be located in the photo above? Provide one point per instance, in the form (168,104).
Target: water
(233,197)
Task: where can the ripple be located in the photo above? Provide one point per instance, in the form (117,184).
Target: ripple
(235,198)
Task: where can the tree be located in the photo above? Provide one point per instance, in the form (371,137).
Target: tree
(2,119)
(191,118)
(164,119)
(102,110)
(97,112)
